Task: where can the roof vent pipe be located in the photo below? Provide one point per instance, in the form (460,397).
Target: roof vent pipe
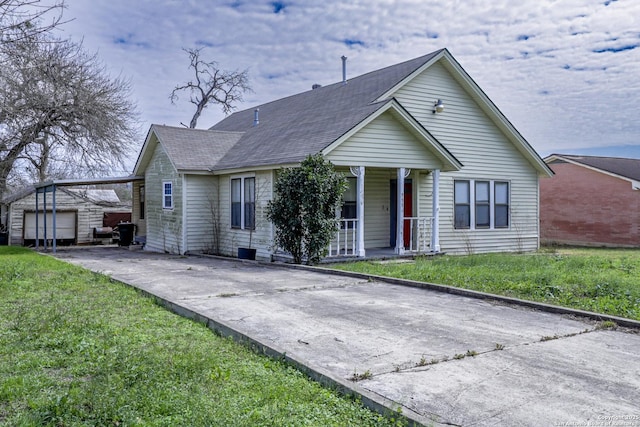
(344,70)
(256,119)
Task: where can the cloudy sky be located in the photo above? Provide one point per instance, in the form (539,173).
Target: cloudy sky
(566,73)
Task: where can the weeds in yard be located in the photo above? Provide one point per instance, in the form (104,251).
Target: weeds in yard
(598,280)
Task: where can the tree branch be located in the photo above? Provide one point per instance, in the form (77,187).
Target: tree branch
(211,85)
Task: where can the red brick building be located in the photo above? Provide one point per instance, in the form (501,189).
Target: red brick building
(591,201)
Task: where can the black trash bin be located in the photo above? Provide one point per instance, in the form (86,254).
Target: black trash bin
(4,239)
(126,230)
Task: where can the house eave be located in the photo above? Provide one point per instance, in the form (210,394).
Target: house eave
(245,169)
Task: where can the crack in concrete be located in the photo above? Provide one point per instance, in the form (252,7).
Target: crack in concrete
(424,365)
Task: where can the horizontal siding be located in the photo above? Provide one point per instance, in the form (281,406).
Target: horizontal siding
(485,152)
(384,143)
(141,226)
(201,213)
(89,215)
(261,238)
(377,218)
(164,226)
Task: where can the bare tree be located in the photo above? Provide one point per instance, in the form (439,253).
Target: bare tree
(24,18)
(59,107)
(211,85)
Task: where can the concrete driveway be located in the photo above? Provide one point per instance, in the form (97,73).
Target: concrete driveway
(444,359)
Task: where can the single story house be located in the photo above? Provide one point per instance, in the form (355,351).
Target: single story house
(432,164)
(591,201)
(78,212)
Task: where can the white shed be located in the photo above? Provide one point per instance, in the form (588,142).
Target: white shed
(78,212)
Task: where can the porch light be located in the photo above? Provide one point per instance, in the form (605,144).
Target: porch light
(438,107)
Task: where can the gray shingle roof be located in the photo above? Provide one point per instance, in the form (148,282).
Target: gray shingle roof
(628,168)
(293,127)
(194,149)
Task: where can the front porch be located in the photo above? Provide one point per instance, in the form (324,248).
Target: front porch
(374,201)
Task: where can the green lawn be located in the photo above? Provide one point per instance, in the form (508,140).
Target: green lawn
(599,280)
(79,349)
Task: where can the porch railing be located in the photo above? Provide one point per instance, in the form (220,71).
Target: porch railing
(346,239)
(419,233)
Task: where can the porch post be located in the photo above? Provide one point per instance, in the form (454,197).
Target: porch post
(361,251)
(435,231)
(400,213)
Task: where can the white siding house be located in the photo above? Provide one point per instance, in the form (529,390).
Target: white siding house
(461,179)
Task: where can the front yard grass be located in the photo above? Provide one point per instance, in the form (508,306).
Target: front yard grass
(79,349)
(599,280)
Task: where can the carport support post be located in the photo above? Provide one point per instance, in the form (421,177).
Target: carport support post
(37,215)
(53,189)
(361,251)
(400,213)
(435,228)
(44,215)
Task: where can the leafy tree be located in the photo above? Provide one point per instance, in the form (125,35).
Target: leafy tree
(211,85)
(303,209)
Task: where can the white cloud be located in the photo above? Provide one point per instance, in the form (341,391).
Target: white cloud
(564,72)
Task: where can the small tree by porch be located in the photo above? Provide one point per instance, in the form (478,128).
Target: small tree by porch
(303,208)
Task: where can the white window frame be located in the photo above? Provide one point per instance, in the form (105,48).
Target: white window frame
(166,205)
(242,179)
(492,204)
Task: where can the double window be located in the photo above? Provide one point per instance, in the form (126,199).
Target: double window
(243,203)
(481,204)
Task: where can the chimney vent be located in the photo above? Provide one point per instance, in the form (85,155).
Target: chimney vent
(344,70)
(316,86)
(256,118)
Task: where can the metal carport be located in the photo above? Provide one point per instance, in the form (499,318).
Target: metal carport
(51,186)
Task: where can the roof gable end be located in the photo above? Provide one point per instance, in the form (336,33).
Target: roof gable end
(488,107)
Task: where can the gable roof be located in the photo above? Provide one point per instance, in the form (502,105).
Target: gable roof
(624,168)
(459,74)
(316,120)
(306,123)
(449,162)
(187,149)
